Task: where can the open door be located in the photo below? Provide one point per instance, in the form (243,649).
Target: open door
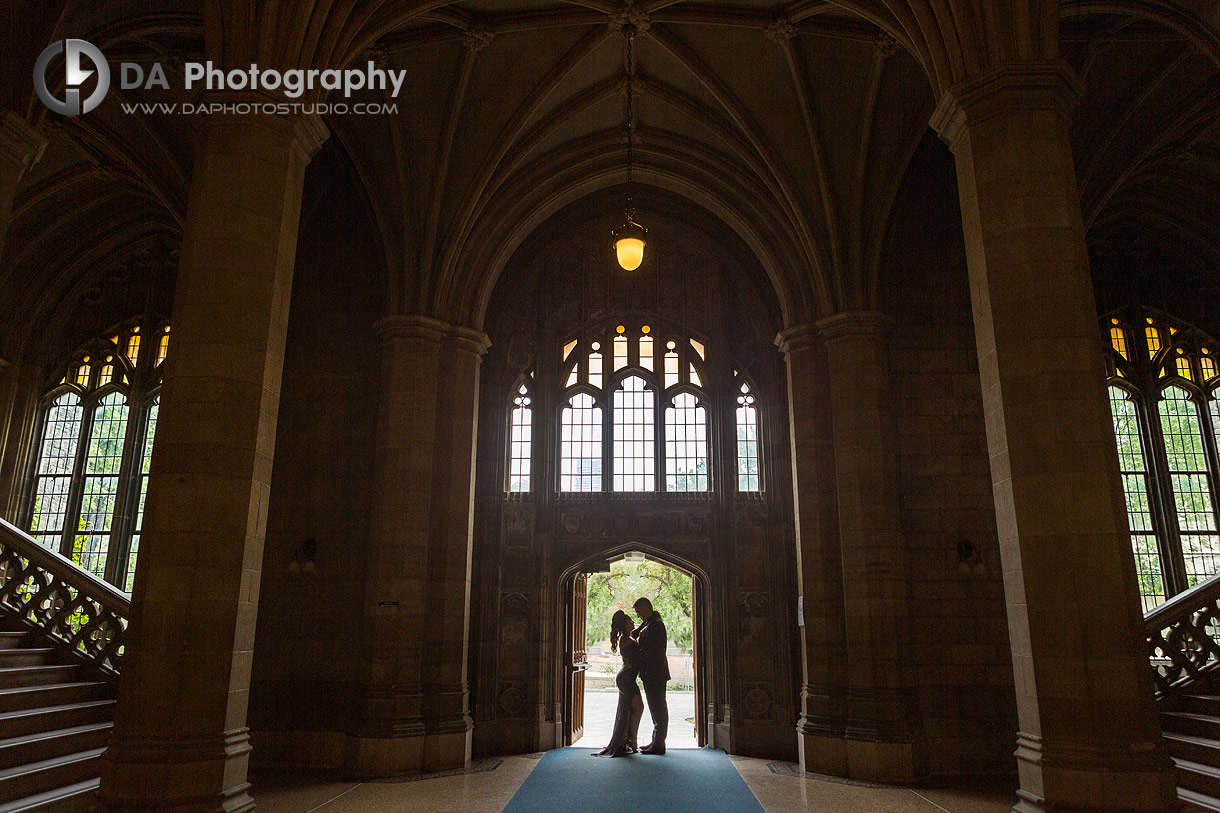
(578,657)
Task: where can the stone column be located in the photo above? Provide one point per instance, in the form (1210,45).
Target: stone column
(882,743)
(412,701)
(21,146)
(823,717)
(180,740)
(1089,734)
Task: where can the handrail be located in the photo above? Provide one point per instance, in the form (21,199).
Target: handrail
(1183,637)
(57,597)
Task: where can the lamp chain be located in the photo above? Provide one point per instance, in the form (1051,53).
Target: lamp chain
(629,33)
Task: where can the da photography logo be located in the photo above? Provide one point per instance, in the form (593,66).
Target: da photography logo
(75,75)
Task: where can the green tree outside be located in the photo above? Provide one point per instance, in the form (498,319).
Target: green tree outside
(669,590)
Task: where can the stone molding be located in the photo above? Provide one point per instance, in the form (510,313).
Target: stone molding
(21,144)
(175,750)
(795,339)
(1146,757)
(1034,86)
(852,324)
(425,328)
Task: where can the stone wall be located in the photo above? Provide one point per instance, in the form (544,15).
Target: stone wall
(960,652)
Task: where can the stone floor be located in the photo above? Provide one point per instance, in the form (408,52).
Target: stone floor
(778,786)
(601,705)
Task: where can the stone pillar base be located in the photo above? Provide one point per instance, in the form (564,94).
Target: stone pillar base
(368,757)
(822,754)
(890,762)
(1092,783)
(443,752)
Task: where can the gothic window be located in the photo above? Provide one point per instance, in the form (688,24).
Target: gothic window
(520,442)
(686,462)
(580,465)
(747,440)
(1163,398)
(634,413)
(89,466)
(635,460)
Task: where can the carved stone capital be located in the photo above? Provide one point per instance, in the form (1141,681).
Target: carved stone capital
(435,331)
(853,324)
(798,338)
(1037,86)
(21,144)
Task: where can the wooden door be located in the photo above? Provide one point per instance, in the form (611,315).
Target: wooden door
(578,657)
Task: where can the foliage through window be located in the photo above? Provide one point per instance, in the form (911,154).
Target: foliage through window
(89,469)
(1163,399)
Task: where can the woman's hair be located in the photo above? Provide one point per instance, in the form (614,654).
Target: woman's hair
(618,627)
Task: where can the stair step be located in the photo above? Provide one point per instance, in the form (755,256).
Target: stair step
(21,676)
(13,640)
(43,745)
(1198,801)
(1199,777)
(1195,749)
(48,718)
(1198,725)
(53,694)
(60,772)
(1208,704)
(77,798)
(28,656)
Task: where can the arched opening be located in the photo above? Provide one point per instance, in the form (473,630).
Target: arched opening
(592,592)
(656,425)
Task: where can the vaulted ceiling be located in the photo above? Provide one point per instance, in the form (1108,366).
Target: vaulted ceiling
(793,123)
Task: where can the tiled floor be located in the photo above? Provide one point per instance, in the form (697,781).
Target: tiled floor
(489,791)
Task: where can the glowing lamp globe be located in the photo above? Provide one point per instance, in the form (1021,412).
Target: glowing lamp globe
(629,244)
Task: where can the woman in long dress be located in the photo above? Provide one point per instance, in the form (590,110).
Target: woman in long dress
(630,704)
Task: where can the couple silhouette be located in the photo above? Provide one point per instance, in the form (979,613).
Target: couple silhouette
(643,651)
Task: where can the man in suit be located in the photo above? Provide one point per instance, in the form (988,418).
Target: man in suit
(654,671)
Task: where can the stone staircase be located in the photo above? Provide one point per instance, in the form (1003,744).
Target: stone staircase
(55,719)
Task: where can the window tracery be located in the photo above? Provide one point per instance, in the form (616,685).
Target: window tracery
(91,452)
(1163,400)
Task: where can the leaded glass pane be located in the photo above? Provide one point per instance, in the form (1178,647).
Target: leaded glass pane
(145,465)
(101,487)
(1133,467)
(634,436)
(520,442)
(580,454)
(686,460)
(1193,501)
(56,460)
(747,442)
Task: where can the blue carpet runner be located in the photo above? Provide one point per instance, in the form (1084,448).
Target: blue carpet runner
(681,781)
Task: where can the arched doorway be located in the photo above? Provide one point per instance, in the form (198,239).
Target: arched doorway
(591,592)
(642,412)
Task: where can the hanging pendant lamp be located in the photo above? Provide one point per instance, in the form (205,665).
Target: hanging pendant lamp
(629,238)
